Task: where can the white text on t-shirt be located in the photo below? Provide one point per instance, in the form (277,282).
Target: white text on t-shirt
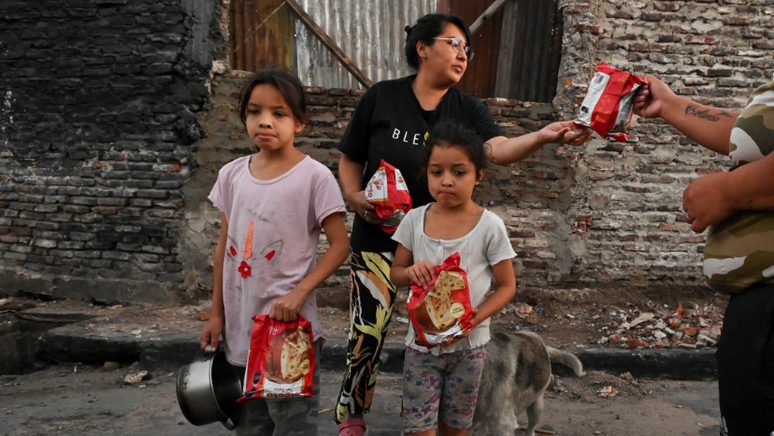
(396,135)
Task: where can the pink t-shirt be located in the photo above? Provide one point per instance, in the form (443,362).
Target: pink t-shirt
(273,228)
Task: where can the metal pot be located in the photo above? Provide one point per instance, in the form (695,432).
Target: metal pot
(207,390)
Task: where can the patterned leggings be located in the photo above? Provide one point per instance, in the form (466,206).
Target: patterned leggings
(371,301)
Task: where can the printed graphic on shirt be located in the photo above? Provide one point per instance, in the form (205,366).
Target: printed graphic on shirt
(244,269)
(406,137)
(274,249)
(233,248)
(249,242)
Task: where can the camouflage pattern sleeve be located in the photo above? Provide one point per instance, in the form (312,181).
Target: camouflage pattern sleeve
(740,250)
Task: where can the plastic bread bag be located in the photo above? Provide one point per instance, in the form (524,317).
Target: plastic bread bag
(442,311)
(388,192)
(607,108)
(280,362)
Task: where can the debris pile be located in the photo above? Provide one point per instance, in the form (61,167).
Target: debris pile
(688,325)
(660,327)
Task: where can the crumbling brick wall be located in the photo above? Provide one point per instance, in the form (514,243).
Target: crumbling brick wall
(609,214)
(110,143)
(627,203)
(97,123)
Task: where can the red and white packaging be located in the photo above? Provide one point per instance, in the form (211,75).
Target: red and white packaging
(280,362)
(388,192)
(443,311)
(607,108)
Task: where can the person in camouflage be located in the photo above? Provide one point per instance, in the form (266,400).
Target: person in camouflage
(738,208)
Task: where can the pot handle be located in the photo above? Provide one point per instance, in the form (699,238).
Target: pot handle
(229,423)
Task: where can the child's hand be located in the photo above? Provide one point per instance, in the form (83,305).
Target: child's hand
(473,321)
(287,307)
(211,334)
(421,273)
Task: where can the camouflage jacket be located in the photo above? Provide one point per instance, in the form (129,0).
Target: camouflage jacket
(740,249)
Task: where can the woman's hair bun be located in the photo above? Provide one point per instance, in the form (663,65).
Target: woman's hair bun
(407,29)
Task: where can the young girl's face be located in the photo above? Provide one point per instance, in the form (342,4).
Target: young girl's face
(451,175)
(270,122)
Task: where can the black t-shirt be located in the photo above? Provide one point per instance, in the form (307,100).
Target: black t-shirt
(390,124)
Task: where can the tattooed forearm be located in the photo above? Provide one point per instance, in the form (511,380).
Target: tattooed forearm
(752,206)
(488,150)
(693,110)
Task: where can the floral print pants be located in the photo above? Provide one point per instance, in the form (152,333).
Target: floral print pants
(371,301)
(441,387)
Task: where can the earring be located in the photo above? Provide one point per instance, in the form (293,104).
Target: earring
(424,58)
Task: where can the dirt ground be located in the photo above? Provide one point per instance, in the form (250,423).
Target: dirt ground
(572,318)
(84,400)
(590,318)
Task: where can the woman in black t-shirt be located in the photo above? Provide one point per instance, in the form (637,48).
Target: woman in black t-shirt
(391,122)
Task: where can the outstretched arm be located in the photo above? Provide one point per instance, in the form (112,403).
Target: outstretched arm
(708,126)
(505,151)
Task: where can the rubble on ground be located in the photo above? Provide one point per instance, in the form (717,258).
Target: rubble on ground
(656,326)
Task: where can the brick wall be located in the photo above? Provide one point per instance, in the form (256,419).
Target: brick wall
(98,120)
(626,204)
(606,215)
(110,143)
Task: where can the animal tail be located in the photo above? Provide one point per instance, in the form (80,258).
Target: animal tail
(566,359)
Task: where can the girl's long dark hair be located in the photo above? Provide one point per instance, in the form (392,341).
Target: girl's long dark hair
(287,84)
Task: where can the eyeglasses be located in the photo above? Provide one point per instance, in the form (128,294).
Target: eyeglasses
(457,45)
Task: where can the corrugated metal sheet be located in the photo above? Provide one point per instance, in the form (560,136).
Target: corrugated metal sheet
(531,65)
(481,75)
(369,32)
(261,34)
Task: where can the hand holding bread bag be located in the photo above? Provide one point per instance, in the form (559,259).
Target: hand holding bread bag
(280,363)
(443,311)
(388,192)
(607,107)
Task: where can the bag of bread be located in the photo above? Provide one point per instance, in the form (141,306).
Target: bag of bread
(388,192)
(280,362)
(442,311)
(607,108)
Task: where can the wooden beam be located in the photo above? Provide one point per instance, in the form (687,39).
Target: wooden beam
(491,10)
(329,44)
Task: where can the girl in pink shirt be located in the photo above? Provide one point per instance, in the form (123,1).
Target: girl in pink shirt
(274,204)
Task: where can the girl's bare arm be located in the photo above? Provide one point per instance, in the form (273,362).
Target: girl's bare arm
(214,327)
(286,308)
(503,294)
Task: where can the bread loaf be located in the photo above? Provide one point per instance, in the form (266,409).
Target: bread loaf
(434,313)
(287,360)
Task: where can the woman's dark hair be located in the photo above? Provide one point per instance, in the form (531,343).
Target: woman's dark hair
(427,28)
(453,134)
(286,83)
